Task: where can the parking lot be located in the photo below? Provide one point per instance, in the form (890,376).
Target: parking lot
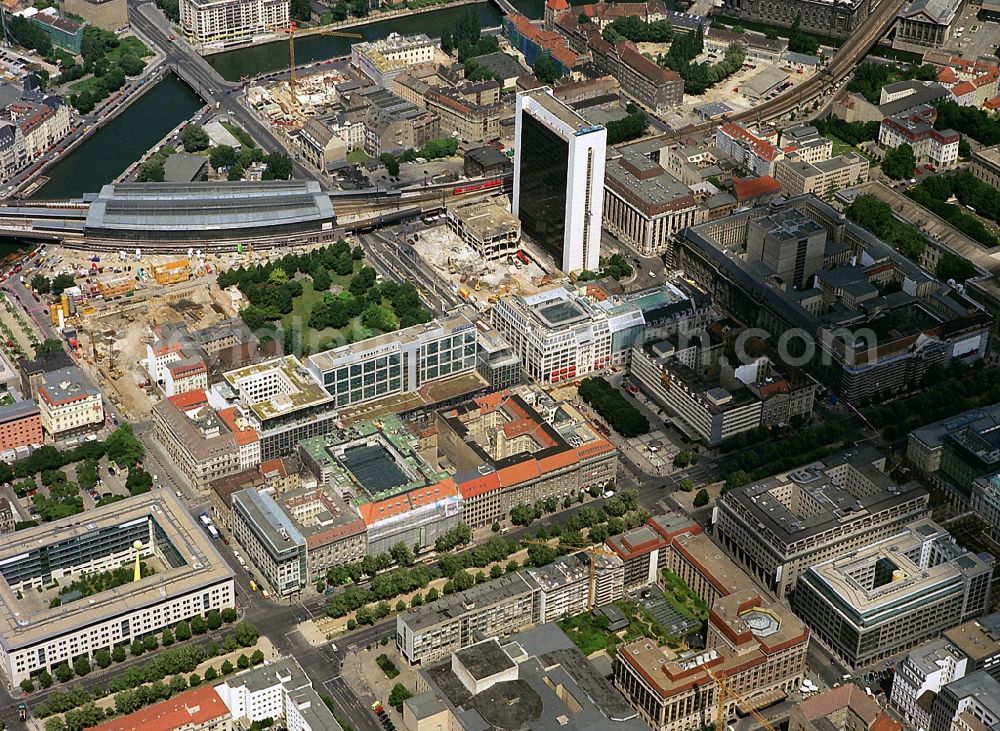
(972,37)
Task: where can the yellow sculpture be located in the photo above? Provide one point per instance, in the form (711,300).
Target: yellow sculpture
(138,552)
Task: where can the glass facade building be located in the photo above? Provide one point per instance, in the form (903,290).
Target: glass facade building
(542,197)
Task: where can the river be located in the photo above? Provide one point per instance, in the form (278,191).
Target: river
(274,56)
(111,149)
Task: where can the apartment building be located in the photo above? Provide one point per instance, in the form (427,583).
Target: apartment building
(20,425)
(43,123)
(226,23)
(753,154)
(271,541)
(69,404)
(566,587)
(384,59)
(198,709)
(806,142)
(320,145)
(334,533)
(845,708)
(779,527)
(759,647)
(979,641)
(196,439)
(644,81)
(971,703)
(278,691)
(920,675)
(518,447)
(470,112)
(938,147)
(644,550)
(798,176)
(13,156)
(645,205)
(891,595)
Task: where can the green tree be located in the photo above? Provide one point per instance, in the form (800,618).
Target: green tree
(227,667)
(118,654)
(27,685)
(214,620)
(278,167)
(194,138)
(211,673)
(63,672)
(182,631)
(167,637)
(399,694)
(300,10)
(246,634)
(131,65)
(198,626)
(701,498)
(123,447)
(257,657)
(222,156)
(40,283)
(544,70)
(61,282)
(359,8)
(194,680)
(243,662)
(149,642)
(103,658)
(81,666)
(899,163)
(229,615)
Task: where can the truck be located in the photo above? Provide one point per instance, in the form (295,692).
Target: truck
(205,520)
(212,531)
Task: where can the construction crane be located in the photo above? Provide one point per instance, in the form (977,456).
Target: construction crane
(594,551)
(726,692)
(291,50)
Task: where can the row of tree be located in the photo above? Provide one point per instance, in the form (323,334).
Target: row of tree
(699,77)
(630,127)
(876,216)
(609,402)
(638,30)
(928,195)
(853,133)
(970,121)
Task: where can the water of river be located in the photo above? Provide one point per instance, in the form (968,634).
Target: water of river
(110,150)
(274,56)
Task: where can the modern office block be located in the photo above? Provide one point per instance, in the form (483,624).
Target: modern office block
(889,596)
(559,179)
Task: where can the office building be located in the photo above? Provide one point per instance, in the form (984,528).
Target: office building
(919,677)
(44,625)
(63,32)
(717,401)
(798,176)
(333,532)
(33,371)
(822,17)
(384,59)
(645,82)
(759,648)
(779,527)
(645,205)
(470,112)
(279,691)
(69,404)
(986,165)
(416,518)
(558,179)
(930,323)
(518,447)
(845,708)
(487,226)
(806,143)
(320,145)
(889,596)
(227,23)
(497,362)
(494,609)
(271,541)
(20,425)
(198,709)
(561,335)
(535,679)
(408,361)
(971,703)
(279,399)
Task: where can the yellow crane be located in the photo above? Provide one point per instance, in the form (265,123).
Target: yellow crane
(291,50)
(592,551)
(726,692)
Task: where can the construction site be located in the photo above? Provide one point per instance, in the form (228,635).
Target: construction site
(477,279)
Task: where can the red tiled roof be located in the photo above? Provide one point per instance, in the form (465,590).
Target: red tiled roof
(242,436)
(374,512)
(630,56)
(764,149)
(751,188)
(557,5)
(966,87)
(193,707)
(947,75)
(189,399)
(993,103)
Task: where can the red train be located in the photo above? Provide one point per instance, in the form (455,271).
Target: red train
(485,185)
